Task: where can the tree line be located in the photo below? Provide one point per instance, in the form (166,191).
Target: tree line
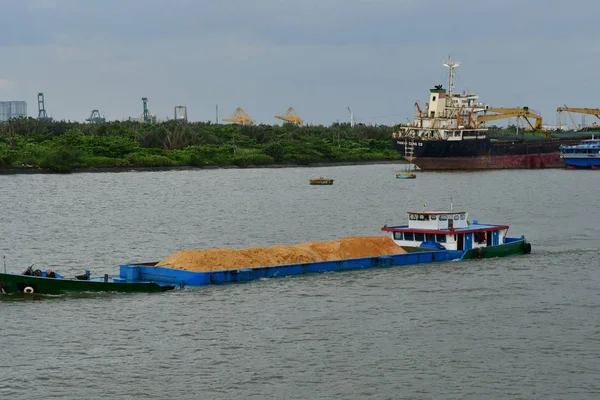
(64,146)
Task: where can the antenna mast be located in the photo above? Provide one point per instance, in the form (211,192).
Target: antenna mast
(452,66)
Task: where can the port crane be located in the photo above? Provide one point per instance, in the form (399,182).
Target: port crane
(240,117)
(503,113)
(291,117)
(180,113)
(569,110)
(42,115)
(146,116)
(95,117)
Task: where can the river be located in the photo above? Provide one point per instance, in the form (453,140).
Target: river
(524,327)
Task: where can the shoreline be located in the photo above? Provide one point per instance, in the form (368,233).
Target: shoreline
(38,170)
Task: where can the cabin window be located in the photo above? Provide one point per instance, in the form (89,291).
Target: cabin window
(462,216)
(412,217)
(409,236)
(419,237)
(397,235)
(430,237)
(433,217)
(433,98)
(456,217)
(443,217)
(423,217)
(441,238)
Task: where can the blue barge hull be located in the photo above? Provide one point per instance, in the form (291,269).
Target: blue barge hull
(163,275)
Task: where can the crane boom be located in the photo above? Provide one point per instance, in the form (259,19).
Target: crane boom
(589,111)
(503,113)
(291,116)
(240,117)
(569,110)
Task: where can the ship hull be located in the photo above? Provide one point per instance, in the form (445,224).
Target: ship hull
(485,153)
(529,161)
(582,163)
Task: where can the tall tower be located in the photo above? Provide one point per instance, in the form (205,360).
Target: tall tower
(146,115)
(41,108)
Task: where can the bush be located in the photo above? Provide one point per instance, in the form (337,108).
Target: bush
(109,146)
(100,161)
(252,159)
(276,151)
(148,160)
(60,159)
(7,156)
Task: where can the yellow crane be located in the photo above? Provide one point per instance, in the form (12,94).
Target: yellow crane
(291,116)
(240,117)
(503,113)
(569,110)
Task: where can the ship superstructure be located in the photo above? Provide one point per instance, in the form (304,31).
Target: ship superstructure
(447,115)
(450,134)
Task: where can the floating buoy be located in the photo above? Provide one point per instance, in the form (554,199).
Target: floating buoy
(28,290)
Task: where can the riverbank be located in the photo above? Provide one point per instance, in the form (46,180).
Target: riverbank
(38,170)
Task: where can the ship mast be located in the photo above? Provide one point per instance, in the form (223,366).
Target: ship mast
(452,66)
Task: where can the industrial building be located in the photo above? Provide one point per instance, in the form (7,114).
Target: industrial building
(12,109)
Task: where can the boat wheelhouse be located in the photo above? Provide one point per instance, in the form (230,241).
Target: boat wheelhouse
(450,230)
(584,155)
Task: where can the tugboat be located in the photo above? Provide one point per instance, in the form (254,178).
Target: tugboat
(451,230)
(585,155)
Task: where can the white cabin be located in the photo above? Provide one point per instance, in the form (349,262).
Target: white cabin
(449,230)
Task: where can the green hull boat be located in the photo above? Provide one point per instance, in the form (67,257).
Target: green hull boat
(26,284)
(503,250)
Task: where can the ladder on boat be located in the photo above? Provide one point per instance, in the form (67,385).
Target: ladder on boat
(409,150)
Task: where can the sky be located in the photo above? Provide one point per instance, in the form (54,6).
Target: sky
(377,57)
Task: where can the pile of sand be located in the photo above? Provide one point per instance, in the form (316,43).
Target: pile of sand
(221,259)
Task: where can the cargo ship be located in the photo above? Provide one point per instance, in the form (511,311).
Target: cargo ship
(450,133)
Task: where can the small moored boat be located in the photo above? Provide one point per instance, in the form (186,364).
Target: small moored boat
(321,181)
(50,282)
(406,175)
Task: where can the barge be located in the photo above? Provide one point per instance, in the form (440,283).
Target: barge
(429,237)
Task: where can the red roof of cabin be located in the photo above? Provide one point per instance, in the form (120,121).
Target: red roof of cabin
(435,212)
(444,231)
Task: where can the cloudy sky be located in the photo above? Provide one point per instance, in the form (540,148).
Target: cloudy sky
(319,56)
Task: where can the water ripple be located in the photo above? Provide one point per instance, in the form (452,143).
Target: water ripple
(523,327)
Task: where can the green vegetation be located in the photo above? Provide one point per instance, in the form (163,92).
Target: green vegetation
(62,146)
